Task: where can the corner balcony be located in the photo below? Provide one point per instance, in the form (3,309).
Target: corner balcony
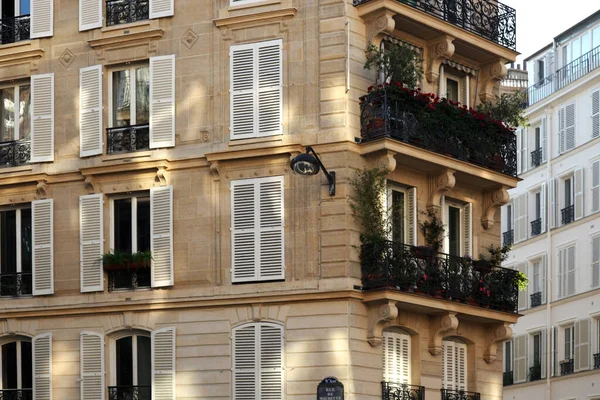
(393,391)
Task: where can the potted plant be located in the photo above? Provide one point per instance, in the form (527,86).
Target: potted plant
(119,260)
(141,259)
(433,230)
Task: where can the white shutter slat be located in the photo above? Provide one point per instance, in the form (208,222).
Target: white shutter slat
(578,186)
(245,345)
(161,228)
(42,118)
(90,14)
(163,364)
(543,361)
(91,357)
(161,8)
(90,111)
(270,224)
(271,361)
(596,262)
(42,18)
(570,254)
(582,345)
(520,167)
(411,216)
(596,186)
(596,114)
(543,278)
(162,101)
(42,366)
(570,127)
(544,138)
(561,130)
(525,163)
(468,226)
(520,358)
(553,191)
(269,88)
(242,71)
(244,232)
(543,197)
(91,241)
(522,267)
(43,243)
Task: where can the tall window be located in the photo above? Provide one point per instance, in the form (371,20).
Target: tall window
(540,71)
(569,342)
(454,231)
(130,96)
(566,271)
(452,89)
(133,367)
(17,369)
(16,113)
(457,221)
(396,357)
(398,204)
(15,252)
(15,20)
(454,365)
(508,356)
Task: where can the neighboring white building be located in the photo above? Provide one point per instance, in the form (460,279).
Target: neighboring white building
(554,221)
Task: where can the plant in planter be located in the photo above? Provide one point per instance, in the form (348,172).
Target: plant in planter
(395,61)
(433,230)
(119,260)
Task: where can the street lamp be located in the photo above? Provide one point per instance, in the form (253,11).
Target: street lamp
(308,164)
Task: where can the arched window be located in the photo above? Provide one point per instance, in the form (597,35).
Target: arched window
(133,367)
(396,357)
(17,369)
(454,364)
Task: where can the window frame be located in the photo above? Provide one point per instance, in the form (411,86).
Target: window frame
(446,220)
(18,233)
(19,366)
(571,329)
(132,92)
(133,196)
(17,8)
(16,101)
(390,192)
(134,333)
(508,357)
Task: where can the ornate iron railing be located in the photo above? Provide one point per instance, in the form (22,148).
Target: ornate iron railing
(567,367)
(14,29)
(128,139)
(390,265)
(16,394)
(14,153)
(449,394)
(535,373)
(16,284)
(400,391)
(536,299)
(129,393)
(597,361)
(508,237)
(536,158)
(126,11)
(491,20)
(536,227)
(507,378)
(383,115)
(129,278)
(567,215)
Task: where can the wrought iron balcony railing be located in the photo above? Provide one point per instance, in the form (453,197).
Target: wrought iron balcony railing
(16,394)
(126,11)
(128,139)
(535,373)
(536,299)
(14,153)
(129,278)
(508,237)
(536,227)
(567,215)
(567,367)
(14,29)
(507,378)
(130,393)
(597,361)
(491,20)
(449,394)
(15,284)
(384,115)
(400,391)
(536,158)
(390,265)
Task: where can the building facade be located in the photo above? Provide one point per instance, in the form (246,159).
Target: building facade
(154,242)
(553,221)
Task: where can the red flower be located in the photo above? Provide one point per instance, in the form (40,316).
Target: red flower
(370,88)
(380,85)
(425,277)
(431,106)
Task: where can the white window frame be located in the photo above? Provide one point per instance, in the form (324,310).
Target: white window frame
(234,3)
(458,81)
(19,340)
(113,353)
(570,176)
(18,8)
(396,188)
(132,92)
(445,219)
(134,200)
(532,264)
(17,103)
(571,329)
(24,206)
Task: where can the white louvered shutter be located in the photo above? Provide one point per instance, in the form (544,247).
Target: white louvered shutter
(161,8)
(543,361)
(467,229)
(544,274)
(448,364)
(570,127)
(42,18)
(42,118)
(544,138)
(561,272)
(90,111)
(522,267)
(91,242)
(245,366)
(561,130)
(454,363)
(596,262)
(521,218)
(543,197)
(42,366)
(578,184)
(244,232)
(271,361)
(464,90)
(269,88)
(396,357)
(163,364)
(596,186)
(43,249)
(570,262)
(90,14)
(162,101)
(242,78)
(520,362)
(520,167)
(271,258)
(582,344)
(596,114)
(553,194)
(524,154)
(461,365)
(91,356)
(411,216)
(161,229)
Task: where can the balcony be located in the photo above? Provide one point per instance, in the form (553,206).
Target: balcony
(535,372)
(397,391)
(567,367)
(508,238)
(15,284)
(507,378)
(567,215)
(395,266)
(536,227)
(449,394)
(536,299)
(129,393)
(597,361)
(14,29)
(126,11)
(128,139)
(16,394)
(15,153)
(439,126)
(129,278)
(536,158)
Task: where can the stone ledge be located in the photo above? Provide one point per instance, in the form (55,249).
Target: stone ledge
(253,19)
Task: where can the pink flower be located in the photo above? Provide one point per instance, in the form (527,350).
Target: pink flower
(425,277)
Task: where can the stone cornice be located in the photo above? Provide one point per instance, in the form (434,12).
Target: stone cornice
(126,40)
(255,18)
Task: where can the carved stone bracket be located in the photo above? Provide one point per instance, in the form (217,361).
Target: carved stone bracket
(439,326)
(377,317)
(41,189)
(438,185)
(91,185)
(492,201)
(497,333)
(379,25)
(437,51)
(161,175)
(387,161)
(490,74)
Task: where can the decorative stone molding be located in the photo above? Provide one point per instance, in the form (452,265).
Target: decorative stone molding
(254,19)
(437,51)
(379,25)
(387,161)
(439,326)
(41,189)
(490,74)
(161,175)
(438,185)
(495,334)
(377,318)
(91,185)
(492,201)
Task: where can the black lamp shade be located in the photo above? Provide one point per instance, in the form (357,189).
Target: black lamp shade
(305,164)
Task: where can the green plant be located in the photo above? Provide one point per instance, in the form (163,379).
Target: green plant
(142,257)
(433,230)
(507,108)
(115,258)
(521,281)
(396,61)
(496,255)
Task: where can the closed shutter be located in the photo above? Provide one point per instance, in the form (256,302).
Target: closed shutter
(242,78)
(161,229)
(90,111)
(91,242)
(396,357)
(522,267)
(544,274)
(91,356)
(43,249)
(162,101)
(42,366)
(596,262)
(269,88)
(582,344)
(553,190)
(163,364)
(525,163)
(244,230)
(467,229)
(448,365)
(561,131)
(570,260)
(579,205)
(570,126)
(90,14)
(596,114)
(271,361)
(521,213)
(411,216)
(245,376)
(544,356)
(271,229)
(596,186)
(464,90)
(520,167)
(561,272)
(161,8)
(544,138)
(454,363)
(520,363)
(42,18)
(543,197)
(42,118)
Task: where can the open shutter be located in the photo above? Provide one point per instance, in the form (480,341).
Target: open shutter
(525,163)
(161,228)
(544,356)
(596,186)
(464,90)
(90,14)
(244,233)
(42,18)
(561,130)
(553,203)
(596,262)
(561,272)
(520,363)
(461,366)
(90,111)
(163,364)
(162,101)
(43,253)
(582,345)
(271,257)
(543,197)
(91,242)
(271,361)
(521,218)
(245,377)
(411,216)
(396,357)
(242,78)
(91,356)
(522,293)
(161,8)
(579,211)
(543,273)
(544,134)
(520,167)
(570,254)
(468,226)
(42,366)
(269,88)
(42,118)
(570,126)
(448,364)
(596,114)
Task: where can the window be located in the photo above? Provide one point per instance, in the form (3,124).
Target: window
(508,377)
(457,218)
(15,252)
(401,204)
(508,233)
(536,278)
(535,371)
(452,89)
(133,368)
(398,203)
(126,11)
(17,369)
(566,272)
(567,211)
(566,128)
(540,70)
(454,364)
(536,207)
(15,20)
(569,342)
(396,357)
(16,113)
(121,11)
(258,361)
(537,152)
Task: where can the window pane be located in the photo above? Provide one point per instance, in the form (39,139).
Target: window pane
(509,217)
(26,240)
(537,138)
(122,225)
(454,231)
(585,43)
(536,349)
(567,192)
(124,362)
(24,112)
(142,93)
(8,244)
(452,89)
(144,361)
(9,365)
(507,357)
(576,44)
(398,216)
(121,99)
(26,371)
(7,128)
(25,7)
(538,205)
(143,224)
(596,37)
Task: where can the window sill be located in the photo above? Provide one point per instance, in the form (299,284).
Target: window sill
(126,27)
(254,13)
(12,170)
(241,142)
(126,156)
(139,33)
(245,4)
(24,52)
